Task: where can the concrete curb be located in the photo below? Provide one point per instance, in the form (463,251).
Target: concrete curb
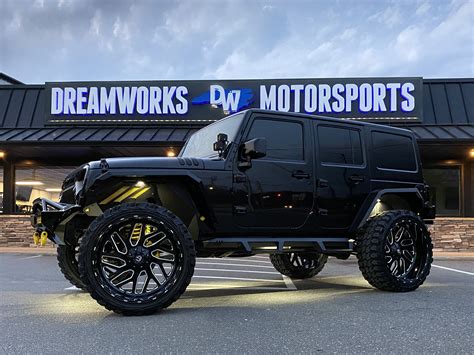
(48,250)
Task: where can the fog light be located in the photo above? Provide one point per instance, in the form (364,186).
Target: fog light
(140,184)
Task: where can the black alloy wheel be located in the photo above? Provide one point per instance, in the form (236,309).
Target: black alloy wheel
(395,251)
(137,258)
(298,265)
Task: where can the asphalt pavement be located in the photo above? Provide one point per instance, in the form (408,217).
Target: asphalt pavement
(241,305)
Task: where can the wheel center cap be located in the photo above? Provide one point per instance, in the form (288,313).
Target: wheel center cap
(139,255)
(395,249)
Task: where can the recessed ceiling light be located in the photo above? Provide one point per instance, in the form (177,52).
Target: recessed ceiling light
(170,153)
(29,183)
(2,155)
(471,153)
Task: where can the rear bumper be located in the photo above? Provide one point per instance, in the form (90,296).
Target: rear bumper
(50,216)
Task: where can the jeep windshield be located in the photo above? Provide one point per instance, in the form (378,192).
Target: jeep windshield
(200,145)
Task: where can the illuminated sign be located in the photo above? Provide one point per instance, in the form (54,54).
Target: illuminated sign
(205,101)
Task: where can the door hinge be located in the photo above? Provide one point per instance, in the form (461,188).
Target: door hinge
(240,178)
(240,209)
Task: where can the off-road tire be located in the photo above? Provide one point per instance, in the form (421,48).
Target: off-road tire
(374,251)
(298,265)
(102,292)
(68,265)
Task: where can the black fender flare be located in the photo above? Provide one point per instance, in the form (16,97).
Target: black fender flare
(375,196)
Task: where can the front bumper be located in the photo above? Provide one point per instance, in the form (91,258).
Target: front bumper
(50,217)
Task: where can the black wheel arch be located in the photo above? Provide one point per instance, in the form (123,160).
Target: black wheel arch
(383,200)
(182,194)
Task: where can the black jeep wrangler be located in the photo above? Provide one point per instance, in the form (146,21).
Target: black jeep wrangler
(298,187)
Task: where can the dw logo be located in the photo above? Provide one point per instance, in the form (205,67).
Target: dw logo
(231,100)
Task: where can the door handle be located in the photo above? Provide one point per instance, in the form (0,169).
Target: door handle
(298,174)
(356,178)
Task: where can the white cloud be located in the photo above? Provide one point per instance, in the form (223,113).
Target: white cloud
(119,40)
(423,9)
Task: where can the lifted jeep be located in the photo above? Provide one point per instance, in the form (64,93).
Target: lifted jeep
(298,187)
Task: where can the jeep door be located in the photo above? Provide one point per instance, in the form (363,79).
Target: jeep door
(342,173)
(276,192)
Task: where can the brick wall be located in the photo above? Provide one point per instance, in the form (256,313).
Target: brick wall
(15,231)
(448,234)
(453,234)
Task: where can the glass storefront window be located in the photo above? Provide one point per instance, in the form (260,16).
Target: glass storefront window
(1,189)
(445,185)
(39,181)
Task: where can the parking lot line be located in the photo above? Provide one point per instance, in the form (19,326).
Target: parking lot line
(234,278)
(229,264)
(454,270)
(231,270)
(224,286)
(289,283)
(224,260)
(31,257)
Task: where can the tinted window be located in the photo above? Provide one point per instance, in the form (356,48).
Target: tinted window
(393,151)
(284,139)
(340,146)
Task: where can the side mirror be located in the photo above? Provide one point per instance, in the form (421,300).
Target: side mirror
(255,148)
(221,144)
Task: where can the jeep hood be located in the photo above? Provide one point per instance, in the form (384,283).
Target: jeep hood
(156,163)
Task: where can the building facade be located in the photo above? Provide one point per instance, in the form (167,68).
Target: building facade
(47,130)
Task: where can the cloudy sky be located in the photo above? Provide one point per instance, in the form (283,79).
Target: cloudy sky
(64,40)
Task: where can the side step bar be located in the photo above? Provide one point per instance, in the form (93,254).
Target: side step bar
(266,245)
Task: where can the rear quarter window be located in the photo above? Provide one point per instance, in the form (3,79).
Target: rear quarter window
(393,152)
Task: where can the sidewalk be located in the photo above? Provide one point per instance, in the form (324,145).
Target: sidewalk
(51,250)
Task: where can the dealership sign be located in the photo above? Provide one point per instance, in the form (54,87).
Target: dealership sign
(210,100)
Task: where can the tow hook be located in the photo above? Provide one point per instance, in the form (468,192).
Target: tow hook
(40,237)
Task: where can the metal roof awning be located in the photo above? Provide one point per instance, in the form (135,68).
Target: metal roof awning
(437,133)
(152,136)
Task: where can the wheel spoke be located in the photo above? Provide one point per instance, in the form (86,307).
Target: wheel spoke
(157,255)
(121,278)
(298,261)
(118,243)
(406,242)
(154,239)
(399,234)
(408,256)
(401,266)
(393,266)
(113,261)
(162,269)
(145,282)
(135,282)
(152,275)
(136,234)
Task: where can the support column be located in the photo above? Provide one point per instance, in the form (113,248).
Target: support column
(8,187)
(468,188)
